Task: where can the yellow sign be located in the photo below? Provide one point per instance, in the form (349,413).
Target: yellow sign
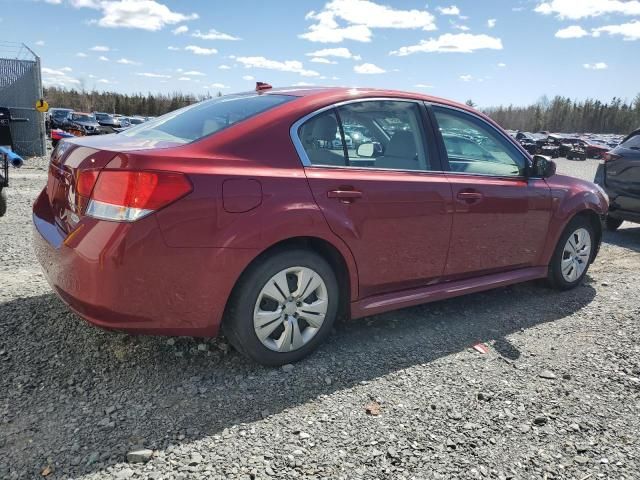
(42,105)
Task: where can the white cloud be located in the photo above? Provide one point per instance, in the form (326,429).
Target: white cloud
(588,8)
(293,66)
(102,58)
(184,79)
(368,68)
(218,85)
(200,50)
(193,73)
(491,22)
(126,61)
(322,60)
(466,78)
(359,17)
(105,81)
(629,31)
(596,66)
(143,14)
(152,75)
(303,84)
(40,43)
(574,31)
(502,65)
(340,52)
(58,78)
(180,30)
(213,34)
(248,77)
(463,28)
(452,10)
(423,85)
(81,55)
(450,42)
(100,48)
(66,69)
(224,67)
(172,48)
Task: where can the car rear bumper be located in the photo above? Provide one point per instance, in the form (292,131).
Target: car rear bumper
(122,276)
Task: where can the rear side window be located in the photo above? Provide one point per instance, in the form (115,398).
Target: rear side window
(201,119)
(633,142)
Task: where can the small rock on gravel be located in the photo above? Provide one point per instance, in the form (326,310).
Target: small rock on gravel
(139,456)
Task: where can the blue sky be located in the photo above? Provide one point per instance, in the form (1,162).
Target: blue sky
(494,52)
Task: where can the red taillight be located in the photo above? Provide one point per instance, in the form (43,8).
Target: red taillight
(127,195)
(85,181)
(609,157)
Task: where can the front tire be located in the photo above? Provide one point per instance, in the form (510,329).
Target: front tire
(573,254)
(612,224)
(283,307)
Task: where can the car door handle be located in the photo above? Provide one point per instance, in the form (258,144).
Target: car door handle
(345,196)
(470,197)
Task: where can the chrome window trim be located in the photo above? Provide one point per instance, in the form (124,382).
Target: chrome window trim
(302,154)
(525,154)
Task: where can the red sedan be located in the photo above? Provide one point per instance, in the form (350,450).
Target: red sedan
(256,215)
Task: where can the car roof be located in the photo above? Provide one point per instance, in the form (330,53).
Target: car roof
(358,92)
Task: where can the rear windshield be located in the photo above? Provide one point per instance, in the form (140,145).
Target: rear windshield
(204,118)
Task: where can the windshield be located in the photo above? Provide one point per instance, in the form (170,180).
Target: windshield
(204,118)
(83,118)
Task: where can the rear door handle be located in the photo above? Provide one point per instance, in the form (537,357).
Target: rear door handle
(470,197)
(345,196)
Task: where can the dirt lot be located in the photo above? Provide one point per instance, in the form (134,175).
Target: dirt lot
(556,396)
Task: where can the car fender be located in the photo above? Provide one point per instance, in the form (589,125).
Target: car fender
(570,197)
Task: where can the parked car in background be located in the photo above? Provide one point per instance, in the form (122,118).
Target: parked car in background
(619,175)
(58,117)
(593,149)
(79,124)
(106,120)
(128,122)
(233,215)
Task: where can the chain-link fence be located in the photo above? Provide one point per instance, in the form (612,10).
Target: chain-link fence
(20,89)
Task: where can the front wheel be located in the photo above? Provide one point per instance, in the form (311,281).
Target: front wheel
(572,256)
(283,307)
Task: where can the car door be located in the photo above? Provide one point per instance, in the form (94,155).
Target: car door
(622,166)
(501,217)
(387,198)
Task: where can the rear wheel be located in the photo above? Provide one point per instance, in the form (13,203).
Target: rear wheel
(283,307)
(612,223)
(572,256)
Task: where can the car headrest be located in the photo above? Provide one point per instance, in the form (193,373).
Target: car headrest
(325,128)
(402,144)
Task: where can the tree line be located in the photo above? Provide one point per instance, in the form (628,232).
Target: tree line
(149,105)
(560,114)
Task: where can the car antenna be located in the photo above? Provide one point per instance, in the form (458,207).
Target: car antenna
(261,86)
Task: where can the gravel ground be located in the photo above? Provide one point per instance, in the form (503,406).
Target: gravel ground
(399,395)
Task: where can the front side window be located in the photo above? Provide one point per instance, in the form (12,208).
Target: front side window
(476,147)
(201,119)
(383,134)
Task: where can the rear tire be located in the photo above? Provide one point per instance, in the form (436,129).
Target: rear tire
(573,254)
(612,223)
(273,326)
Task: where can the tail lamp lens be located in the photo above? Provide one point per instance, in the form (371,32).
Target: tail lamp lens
(124,195)
(609,157)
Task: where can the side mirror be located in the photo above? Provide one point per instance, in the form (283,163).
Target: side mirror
(365,150)
(543,167)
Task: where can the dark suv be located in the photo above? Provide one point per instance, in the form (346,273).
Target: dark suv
(619,175)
